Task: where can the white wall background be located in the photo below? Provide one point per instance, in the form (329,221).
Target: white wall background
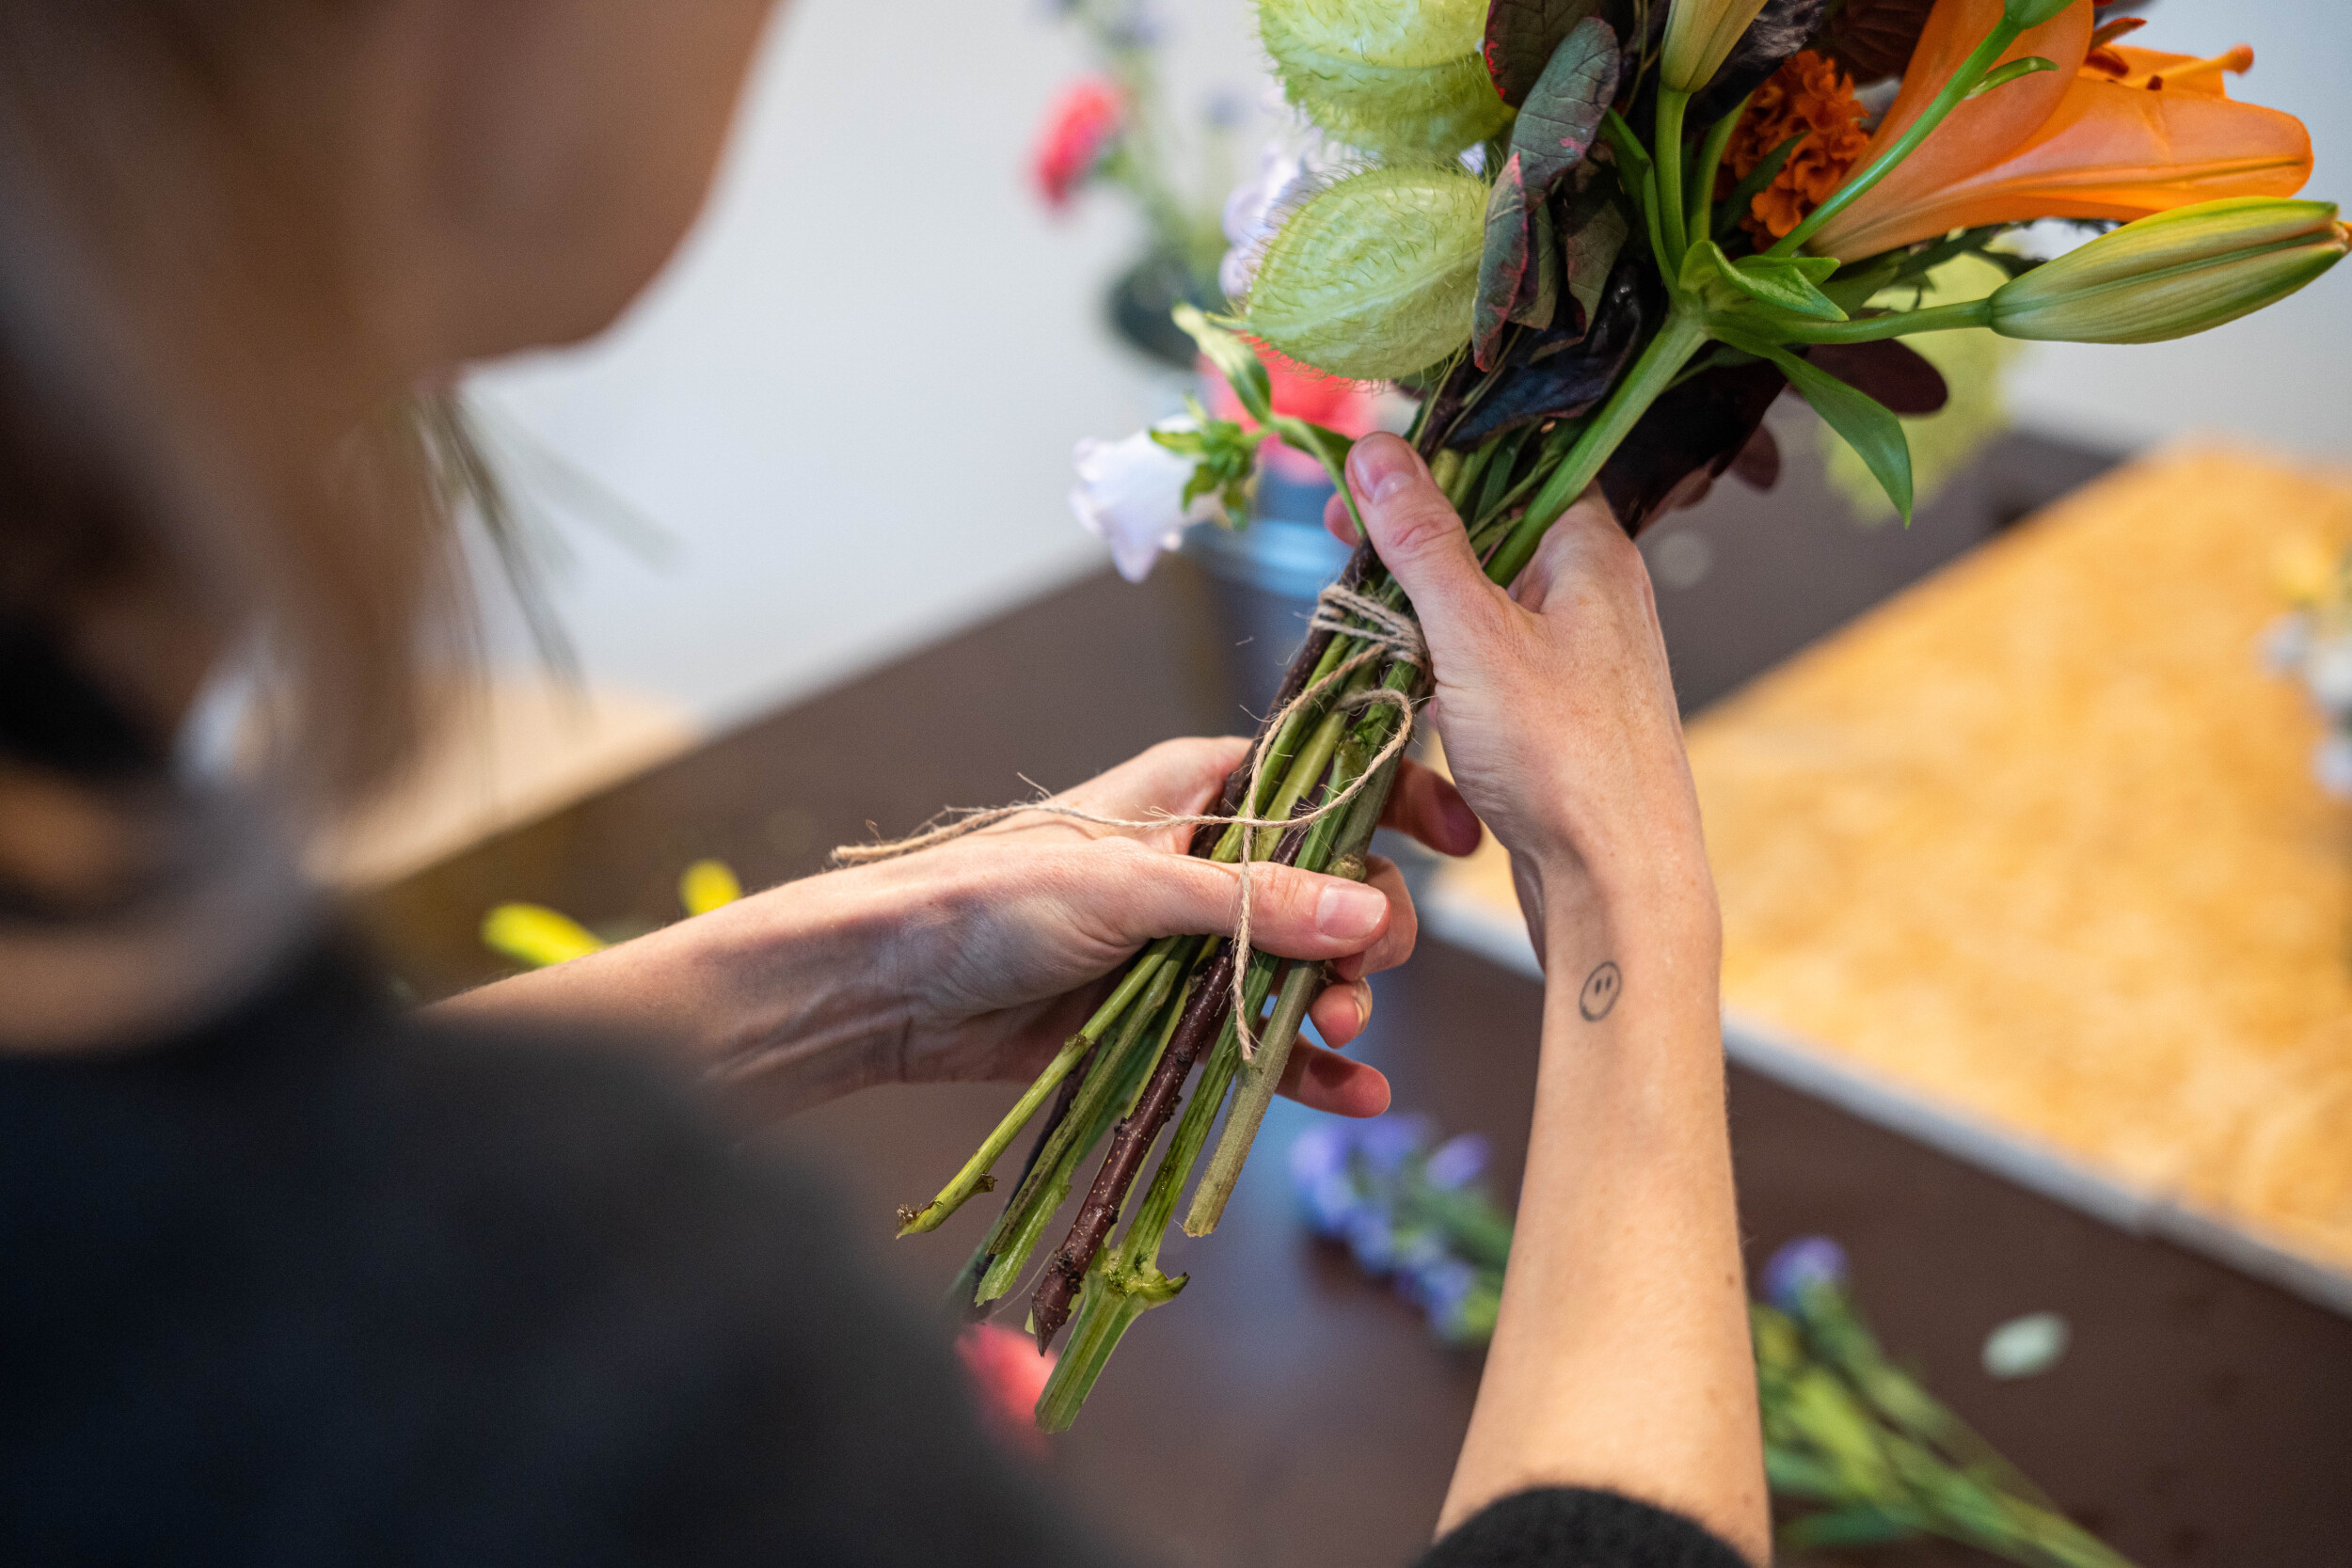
(851,403)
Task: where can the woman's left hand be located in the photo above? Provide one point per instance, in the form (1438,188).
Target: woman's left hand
(1001,937)
(975,959)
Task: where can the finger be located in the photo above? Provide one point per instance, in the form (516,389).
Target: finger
(1326,1081)
(1423,544)
(1339,521)
(1424,803)
(1395,943)
(1292,914)
(1182,776)
(1340,1013)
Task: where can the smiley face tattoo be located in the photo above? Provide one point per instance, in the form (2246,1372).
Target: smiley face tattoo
(1600,995)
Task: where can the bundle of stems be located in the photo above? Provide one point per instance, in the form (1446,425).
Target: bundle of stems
(1123,1075)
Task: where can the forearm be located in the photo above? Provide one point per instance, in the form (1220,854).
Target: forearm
(1621,1357)
(778,993)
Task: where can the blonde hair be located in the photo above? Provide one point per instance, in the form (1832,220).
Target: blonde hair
(176,307)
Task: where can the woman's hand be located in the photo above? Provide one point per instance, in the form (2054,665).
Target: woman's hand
(1554,699)
(975,959)
(996,942)
(1620,1355)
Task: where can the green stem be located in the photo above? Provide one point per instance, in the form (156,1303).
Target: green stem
(1701,215)
(1667,150)
(1895,324)
(1048,1182)
(1964,81)
(1262,1076)
(974,1176)
(1679,338)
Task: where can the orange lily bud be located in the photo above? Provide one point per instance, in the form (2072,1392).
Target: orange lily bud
(2174,273)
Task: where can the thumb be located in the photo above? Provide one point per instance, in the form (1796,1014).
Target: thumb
(1421,540)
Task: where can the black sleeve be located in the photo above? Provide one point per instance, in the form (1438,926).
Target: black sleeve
(1569,1527)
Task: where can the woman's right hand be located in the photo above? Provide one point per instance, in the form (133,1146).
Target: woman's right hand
(1554,699)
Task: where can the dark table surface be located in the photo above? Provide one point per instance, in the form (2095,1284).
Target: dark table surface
(1285,1411)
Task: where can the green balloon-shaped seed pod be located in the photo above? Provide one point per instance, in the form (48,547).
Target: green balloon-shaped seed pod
(1375,277)
(1389,77)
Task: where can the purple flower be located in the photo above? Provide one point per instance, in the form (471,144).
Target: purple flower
(1440,1289)
(1457,1162)
(1371,1238)
(1806,1261)
(1321,1150)
(1385,1143)
(1332,1203)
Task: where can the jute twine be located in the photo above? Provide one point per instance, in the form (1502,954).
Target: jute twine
(1382,630)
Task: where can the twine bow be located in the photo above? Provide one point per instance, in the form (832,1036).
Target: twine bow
(1382,630)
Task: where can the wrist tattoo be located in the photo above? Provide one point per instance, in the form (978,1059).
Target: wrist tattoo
(1600,995)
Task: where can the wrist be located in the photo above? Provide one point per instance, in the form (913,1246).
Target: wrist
(789,989)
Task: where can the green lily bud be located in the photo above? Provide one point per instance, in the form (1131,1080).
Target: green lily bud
(2174,273)
(1389,77)
(1699,35)
(1375,277)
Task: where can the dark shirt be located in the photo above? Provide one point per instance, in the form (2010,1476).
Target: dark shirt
(319,1283)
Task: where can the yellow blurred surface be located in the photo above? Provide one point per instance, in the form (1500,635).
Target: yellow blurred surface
(2037,843)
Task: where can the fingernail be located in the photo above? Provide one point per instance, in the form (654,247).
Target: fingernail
(1349,912)
(1363,1007)
(1381,466)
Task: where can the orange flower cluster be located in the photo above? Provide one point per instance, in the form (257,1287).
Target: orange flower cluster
(1809,93)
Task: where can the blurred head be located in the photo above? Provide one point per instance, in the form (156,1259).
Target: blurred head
(235,237)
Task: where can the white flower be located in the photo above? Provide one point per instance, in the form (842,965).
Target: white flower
(2328,670)
(1131,495)
(1289,170)
(2332,766)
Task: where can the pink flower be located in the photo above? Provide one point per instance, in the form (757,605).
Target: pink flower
(1008,1374)
(1346,407)
(1084,122)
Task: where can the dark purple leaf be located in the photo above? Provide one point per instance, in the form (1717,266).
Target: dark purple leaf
(1703,425)
(1521,37)
(1562,372)
(1889,371)
(1502,266)
(1779,30)
(1757,464)
(1873,38)
(1562,113)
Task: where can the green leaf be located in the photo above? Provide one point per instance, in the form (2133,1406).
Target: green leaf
(1875,434)
(1236,360)
(1782,283)
(1520,38)
(1556,125)
(1390,79)
(1375,277)
(2032,13)
(2025,66)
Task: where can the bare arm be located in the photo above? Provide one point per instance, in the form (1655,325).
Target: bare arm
(975,959)
(1621,1359)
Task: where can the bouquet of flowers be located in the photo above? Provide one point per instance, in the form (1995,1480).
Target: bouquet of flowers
(1596,238)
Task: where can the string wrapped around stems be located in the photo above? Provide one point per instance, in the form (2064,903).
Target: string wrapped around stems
(1383,632)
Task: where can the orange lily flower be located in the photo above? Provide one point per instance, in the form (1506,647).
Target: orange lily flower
(2081,141)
